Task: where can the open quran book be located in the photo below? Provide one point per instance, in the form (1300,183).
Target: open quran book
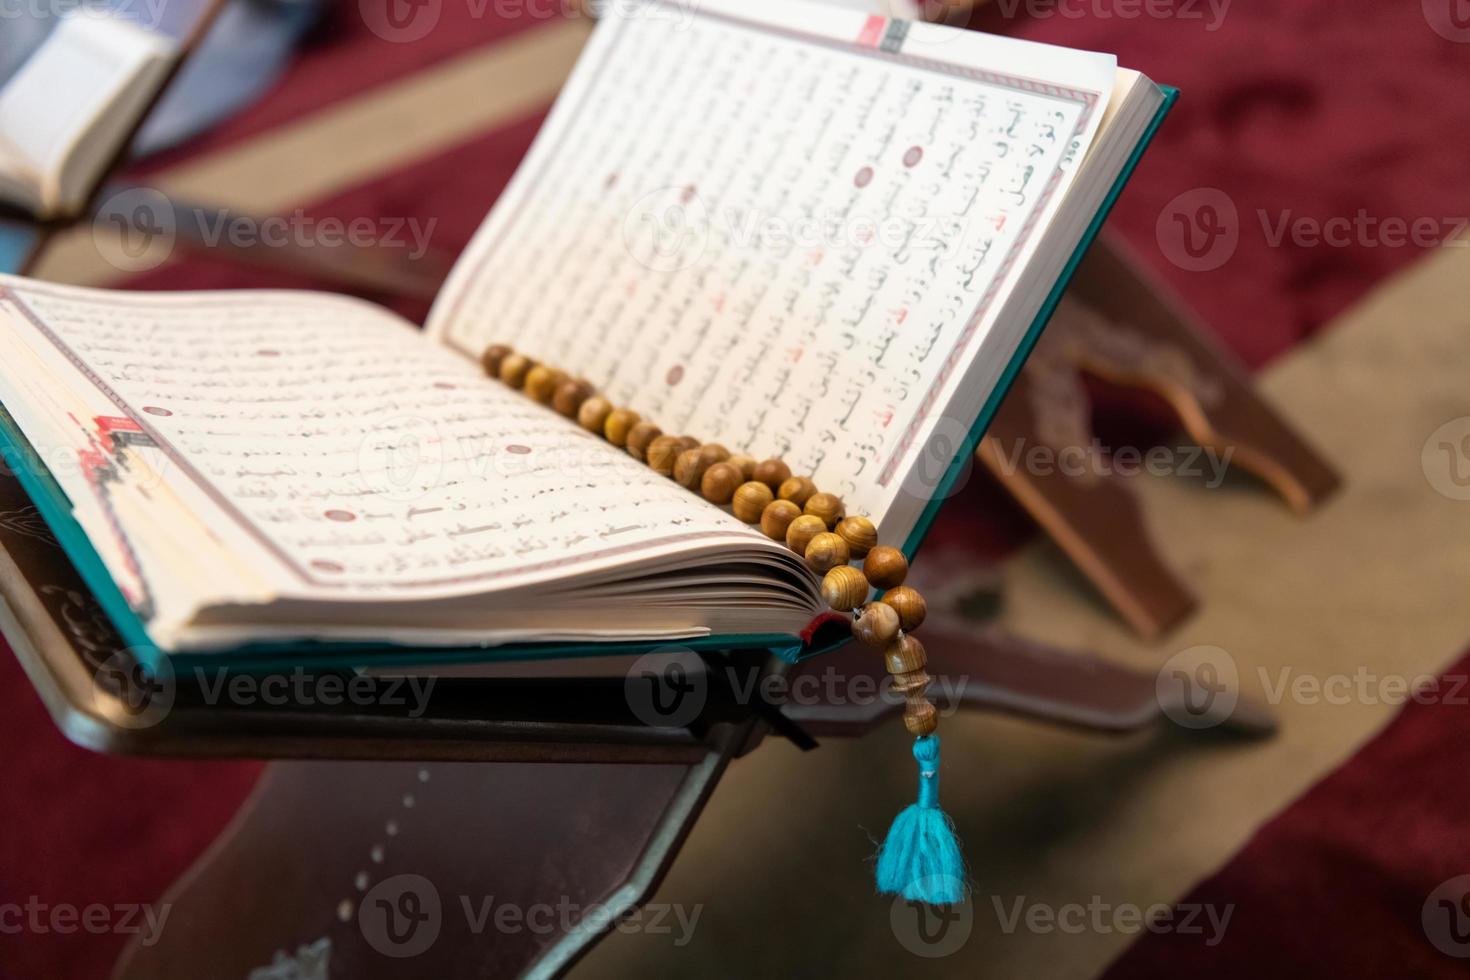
(797,231)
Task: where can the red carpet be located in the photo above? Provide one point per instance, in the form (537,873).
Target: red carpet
(1315,110)
(1334,886)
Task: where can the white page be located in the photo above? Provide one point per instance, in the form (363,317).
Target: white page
(341,455)
(908,186)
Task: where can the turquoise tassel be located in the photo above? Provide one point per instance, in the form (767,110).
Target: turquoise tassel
(920,859)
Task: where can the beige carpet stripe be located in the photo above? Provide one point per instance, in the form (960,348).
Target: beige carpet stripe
(359,139)
(1377,579)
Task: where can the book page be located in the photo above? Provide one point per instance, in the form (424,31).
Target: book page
(327,444)
(783,227)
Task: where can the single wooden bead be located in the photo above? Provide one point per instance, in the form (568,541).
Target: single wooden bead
(712,453)
(661,454)
(797,489)
(689,469)
(593,414)
(904,655)
(620,422)
(688,442)
(750,500)
(640,437)
(514,368)
(772,472)
(909,605)
(827,506)
(844,588)
(745,464)
(885,567)
(542,382)
(801,530)
(859,533)
(719,482)
(490,360)
(825,551)
(875,624)
(921,718)
(777,517)
(570,395)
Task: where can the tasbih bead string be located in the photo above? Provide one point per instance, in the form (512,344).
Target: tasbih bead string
(786,508)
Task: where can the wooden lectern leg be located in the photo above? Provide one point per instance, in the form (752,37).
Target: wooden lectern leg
(364,870)
(1119,325)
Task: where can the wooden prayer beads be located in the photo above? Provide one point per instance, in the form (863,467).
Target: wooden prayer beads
(827,506)
(719,482)
(594,413)
(797,489)
(825,551)
(570,396)
(514,368)
(909,605)
(750,500)
(661,454)
(541,383)
(619,423)
(799,532)
(859,533)
(885,567)
(640,437)
(788,508)
(772,472)
(844,588)
(745,464)
(777,517)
